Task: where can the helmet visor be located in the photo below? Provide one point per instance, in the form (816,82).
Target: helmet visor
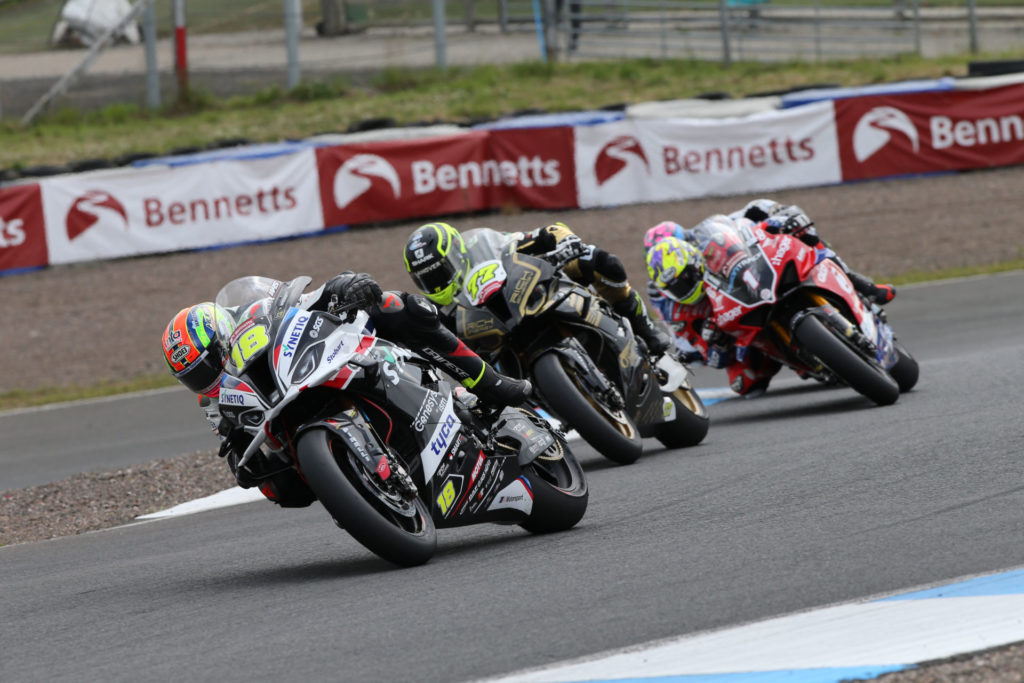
(203,373)
(687,286)
(435,277)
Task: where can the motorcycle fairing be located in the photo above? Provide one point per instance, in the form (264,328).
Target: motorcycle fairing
(352,428)
(518,496)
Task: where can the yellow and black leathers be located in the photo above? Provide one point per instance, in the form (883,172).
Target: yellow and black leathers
(605,272)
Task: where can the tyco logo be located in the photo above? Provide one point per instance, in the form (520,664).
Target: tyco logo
(353,179)
(615,155)
(873,131)
(441,440)
(89,208)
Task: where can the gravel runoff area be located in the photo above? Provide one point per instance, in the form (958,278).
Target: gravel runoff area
(108,317)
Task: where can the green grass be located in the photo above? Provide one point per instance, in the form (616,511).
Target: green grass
(37,397)
(456,95)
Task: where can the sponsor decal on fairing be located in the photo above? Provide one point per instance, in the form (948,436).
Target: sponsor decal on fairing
(516,495)
(444,433)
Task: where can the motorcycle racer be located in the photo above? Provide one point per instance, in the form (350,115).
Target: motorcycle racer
(195,359)
(435,258)
(676,268)
(776,218)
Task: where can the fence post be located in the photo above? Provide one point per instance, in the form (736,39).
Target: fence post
(817,31)
(470,19)
(152,68)
(972,19)
(723,15)
(333,21)
(440,39)
(180,48)
(292,28)
(917,27)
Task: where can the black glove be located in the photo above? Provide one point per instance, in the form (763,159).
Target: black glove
(543,241)
(354,290)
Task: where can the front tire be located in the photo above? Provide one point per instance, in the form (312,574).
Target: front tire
(400,533)
(691,423)
(864,376)
(905,372)
(609,431)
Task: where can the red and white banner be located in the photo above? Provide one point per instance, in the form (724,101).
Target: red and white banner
(449,174)
(142,211)
(645,160)
(934,131)
(22,228)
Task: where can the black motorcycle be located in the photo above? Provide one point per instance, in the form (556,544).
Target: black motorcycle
(525,315)
(378,435)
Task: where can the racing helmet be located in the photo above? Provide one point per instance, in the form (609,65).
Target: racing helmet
(191,350)
(435,256)
(660,232)
(676,268)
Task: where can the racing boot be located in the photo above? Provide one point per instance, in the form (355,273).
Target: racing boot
(880,294)
(500,390)
(632,309)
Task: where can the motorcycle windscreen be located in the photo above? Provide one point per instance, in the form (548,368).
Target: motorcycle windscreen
(751,281)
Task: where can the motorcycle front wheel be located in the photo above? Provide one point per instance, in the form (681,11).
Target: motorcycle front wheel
(691,423)
(399,531)
(608,430)
(906,371)
(865,377)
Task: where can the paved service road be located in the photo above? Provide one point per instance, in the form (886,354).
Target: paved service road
(45,445)
(804,497)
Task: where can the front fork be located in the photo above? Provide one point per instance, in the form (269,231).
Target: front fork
(835,320)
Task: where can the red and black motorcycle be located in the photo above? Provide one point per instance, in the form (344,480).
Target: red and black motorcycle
(773,293)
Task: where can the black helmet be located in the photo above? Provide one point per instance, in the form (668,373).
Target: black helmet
(435,257)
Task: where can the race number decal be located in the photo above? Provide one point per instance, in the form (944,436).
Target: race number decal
(248,345)
(484,280)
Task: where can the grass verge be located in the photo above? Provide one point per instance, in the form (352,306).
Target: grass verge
(408,96)
(36,397)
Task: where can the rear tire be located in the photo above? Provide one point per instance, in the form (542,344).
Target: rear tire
(332,474)
(691,423)
(612,433)
(905,372)
(864,376)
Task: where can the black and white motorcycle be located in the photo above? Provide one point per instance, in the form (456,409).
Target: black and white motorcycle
(377,433)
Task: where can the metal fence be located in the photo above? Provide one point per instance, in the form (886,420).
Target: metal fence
(759,30)
(242,46)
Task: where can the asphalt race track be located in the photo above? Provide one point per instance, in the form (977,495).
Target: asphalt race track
(804,497)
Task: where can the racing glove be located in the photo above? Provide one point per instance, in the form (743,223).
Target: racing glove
(354,290)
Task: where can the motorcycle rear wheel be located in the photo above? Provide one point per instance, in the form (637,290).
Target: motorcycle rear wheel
(609,431)
(559,487)
(865,377)
(691,423)
(406,537)
(905,372)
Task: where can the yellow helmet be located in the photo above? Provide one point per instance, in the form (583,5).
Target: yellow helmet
(676,268)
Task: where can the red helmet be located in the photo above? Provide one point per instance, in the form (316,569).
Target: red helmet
(191,351)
